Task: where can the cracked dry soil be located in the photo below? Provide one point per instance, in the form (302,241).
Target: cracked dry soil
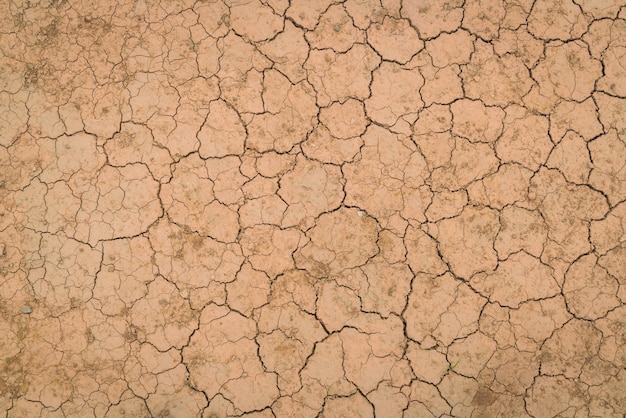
(313,208)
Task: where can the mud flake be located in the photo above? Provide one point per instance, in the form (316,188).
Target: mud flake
(268,209)
(338,77)
(127,269)
(520,229)
(288,50)
(388,287)
(163,317)
(332,243)
(321,145)
(468,162)
(190,199)
(469,356)
(309,190)
(388,401)
(173,397)
(507,186)
(335,31)
(457,390)
(325,366)
(589,290)
(213,17)
(422,254)
(612,345)
(605,234)
(13,117)
(611,263)
(571,156)
(252,393)
(282,126)
(582,118)
(519,43)
(446,204)
(611,111)
(570,348)
(493,79)
(607,395)
(426,400)
(513,370)
(128,407)
(430,308)
(477,122)
(193,260)
(229,335)
(269,248)
(562,20)
(344,120)
(517,279)
(429,365)
(149,97)
(392,81)
(566,211)
(375,181)
(441,85)
(371,350)
(525,140)
(466,241)
(244,92)
(134,144)
(222,133)
(436,147)
(433,18)
(484,18)
(608,173)
(250,290)
(354,405)
(268,23)
(127,204)
(337,305)
(568,72)
(612,59)
(307,13)
(394,39)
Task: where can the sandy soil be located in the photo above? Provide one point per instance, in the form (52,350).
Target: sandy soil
(313,208)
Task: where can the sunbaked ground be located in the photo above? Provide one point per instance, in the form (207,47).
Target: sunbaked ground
(313,208)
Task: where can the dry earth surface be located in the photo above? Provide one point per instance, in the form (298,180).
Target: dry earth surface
(313,208)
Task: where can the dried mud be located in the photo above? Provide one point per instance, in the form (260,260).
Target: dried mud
(313,208)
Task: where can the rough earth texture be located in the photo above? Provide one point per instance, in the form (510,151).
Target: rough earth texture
(313,208)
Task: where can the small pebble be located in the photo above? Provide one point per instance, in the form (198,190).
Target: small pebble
(336,28)
(359,213)
(27,310)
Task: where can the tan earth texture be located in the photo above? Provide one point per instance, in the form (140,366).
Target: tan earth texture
(313,208)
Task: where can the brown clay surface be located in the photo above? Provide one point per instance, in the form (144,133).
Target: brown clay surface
(313,208)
